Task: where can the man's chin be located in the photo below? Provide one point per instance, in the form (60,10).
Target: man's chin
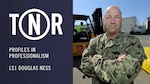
(113,32)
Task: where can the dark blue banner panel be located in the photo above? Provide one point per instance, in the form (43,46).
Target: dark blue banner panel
(36,42)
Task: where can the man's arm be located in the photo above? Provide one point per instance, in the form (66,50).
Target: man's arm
(87,64)
(114,71)
(117,71)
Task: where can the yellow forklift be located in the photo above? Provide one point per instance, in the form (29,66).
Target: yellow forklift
(91,28)
(81,40)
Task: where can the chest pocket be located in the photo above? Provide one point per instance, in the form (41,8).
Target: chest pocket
(99,49)
(112,52)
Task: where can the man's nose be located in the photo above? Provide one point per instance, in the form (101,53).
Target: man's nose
(112,20)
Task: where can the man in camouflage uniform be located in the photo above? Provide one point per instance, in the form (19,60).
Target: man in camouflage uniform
(113,57)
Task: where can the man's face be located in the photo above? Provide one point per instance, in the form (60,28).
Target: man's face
(112,20)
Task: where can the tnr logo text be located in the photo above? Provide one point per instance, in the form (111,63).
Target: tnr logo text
(34,24)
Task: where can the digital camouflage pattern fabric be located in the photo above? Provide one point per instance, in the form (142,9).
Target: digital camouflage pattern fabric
(106,69)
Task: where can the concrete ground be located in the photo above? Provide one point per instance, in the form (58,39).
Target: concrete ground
(145,40)
(142,78)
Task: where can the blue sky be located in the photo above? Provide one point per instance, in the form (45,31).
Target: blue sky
(138,8)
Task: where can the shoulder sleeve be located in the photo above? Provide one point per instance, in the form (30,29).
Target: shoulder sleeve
(87,64)
(135,48)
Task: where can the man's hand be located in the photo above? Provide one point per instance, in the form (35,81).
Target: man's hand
(121,57)
(95,57)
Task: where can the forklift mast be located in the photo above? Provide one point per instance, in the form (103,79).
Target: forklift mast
(97,19)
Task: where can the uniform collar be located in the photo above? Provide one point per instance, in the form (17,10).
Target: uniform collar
(110,42)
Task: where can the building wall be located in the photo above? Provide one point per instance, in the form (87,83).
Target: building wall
(129,23)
